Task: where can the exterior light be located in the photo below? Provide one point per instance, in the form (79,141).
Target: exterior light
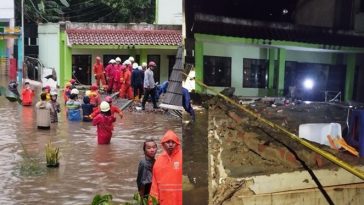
(308,84)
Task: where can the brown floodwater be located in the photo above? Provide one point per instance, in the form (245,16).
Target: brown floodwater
(86,168)
(195,161)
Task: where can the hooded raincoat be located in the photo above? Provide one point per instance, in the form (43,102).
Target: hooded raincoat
(167,174)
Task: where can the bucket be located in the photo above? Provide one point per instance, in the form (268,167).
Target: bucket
(355,136)
(319,132)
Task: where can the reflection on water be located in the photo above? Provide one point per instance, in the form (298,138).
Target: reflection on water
(86,169)
(195,158)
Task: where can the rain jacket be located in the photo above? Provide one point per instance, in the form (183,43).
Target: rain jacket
(167,174)
(104,127)
(73,112)
(27,96)
(44,110)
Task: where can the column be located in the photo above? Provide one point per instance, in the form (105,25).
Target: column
(199,65)
(272,55)
(281,70)
(350,72)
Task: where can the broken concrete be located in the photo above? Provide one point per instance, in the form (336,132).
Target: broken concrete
(246,157)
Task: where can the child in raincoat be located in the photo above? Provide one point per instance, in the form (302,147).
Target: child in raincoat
(27,95)
(56,107)
(67,92)
(104,122)
(144,178)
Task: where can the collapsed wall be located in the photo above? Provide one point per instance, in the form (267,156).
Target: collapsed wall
(252,163)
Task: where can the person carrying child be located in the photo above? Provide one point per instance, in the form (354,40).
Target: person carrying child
(104,122)
(144,178)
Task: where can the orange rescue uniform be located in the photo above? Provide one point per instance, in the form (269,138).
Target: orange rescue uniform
(167,174)
(99,74)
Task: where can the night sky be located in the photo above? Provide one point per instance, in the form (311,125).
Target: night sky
(267,10)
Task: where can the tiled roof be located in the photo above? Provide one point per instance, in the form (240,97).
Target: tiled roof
(124,37)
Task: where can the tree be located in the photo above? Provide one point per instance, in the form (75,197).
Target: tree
(110,11)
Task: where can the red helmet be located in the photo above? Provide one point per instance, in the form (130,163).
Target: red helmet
(94,87)
(48,87)
(72,81)
(108,99)
(152,64)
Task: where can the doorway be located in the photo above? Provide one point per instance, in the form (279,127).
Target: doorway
(81,69)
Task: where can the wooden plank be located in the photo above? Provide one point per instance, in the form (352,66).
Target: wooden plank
(297,180)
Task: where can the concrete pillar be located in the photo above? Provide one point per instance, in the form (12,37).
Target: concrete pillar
(281,70)
(350,72)
(199,65)
(271,63)
(143,56)
(65,61)
(20,60)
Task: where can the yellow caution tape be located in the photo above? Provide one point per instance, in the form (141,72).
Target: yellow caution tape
(350,168)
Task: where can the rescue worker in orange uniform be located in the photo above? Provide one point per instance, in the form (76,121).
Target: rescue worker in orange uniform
(114,109)
(118,73)
(167,172)
(126,89)
(99,72)
(94,95)
(27,94)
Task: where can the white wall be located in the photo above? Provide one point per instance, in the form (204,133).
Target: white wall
(49,50)
(238,53)
(7,9)
(169,12)
(309,57)
(162,52)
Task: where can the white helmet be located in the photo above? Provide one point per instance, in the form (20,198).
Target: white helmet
(104,106)
(144,64)
(127,62)
(117,59)
(135,65)
(131,58)
(75,91)
(111,60)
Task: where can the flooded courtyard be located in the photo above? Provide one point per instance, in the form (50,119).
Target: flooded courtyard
(86,168)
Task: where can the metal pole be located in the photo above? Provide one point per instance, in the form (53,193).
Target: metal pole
(20,66)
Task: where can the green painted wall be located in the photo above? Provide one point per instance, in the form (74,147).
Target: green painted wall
(2,48)
(239,48)
(272,58)
(65,60)
(281,69)
(199,52)
(349,80)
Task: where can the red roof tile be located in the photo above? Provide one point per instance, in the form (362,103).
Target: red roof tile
(124,37)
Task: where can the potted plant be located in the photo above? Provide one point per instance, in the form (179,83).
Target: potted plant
(52,155)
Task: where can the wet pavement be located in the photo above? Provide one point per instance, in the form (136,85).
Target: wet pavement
(86,168)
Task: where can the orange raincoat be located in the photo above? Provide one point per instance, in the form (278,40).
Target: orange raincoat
(167,174)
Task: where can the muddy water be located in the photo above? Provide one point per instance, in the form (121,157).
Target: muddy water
(86,168)
(195,158)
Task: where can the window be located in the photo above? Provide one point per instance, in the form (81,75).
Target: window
(217,71)
(255,73)
(81,68)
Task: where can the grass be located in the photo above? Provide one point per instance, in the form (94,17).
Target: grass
(52,155)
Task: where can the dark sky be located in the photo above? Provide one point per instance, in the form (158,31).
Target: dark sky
(267,10)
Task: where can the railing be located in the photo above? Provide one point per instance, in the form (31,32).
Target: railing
(332,96)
